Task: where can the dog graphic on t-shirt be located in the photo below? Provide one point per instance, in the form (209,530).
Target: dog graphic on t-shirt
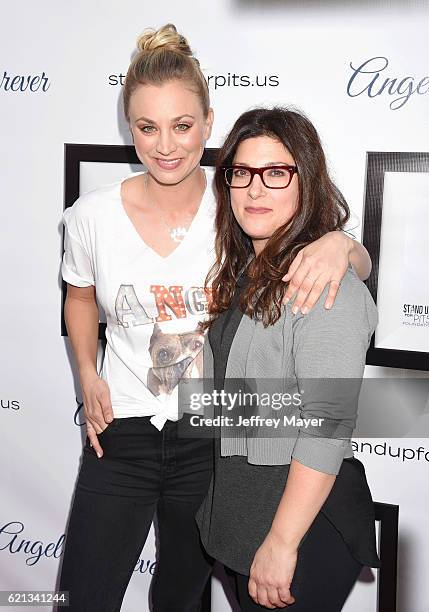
(174,357)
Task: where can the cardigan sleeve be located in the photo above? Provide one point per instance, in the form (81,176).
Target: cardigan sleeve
(329,348)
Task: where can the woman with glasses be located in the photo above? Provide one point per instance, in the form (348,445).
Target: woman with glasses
(288,511)
(141,248)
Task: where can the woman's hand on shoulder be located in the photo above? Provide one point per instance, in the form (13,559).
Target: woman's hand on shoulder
(97,406)
(321,263)
(272,572)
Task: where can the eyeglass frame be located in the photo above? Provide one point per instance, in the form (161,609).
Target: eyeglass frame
(260,171)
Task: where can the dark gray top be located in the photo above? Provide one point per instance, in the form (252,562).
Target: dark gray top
(242,500)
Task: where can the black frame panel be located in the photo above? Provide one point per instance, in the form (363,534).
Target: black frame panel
(388,516)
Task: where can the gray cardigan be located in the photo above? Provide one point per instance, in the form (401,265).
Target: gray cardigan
(320,355)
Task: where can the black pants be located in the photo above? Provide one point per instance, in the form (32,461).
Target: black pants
(324,576)
(143,471)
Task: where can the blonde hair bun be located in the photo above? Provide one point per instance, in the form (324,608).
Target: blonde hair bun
(166,38)
(164,55)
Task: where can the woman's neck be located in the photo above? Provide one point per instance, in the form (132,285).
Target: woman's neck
(259,245)
(179,198)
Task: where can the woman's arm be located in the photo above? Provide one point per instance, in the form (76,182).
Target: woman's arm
(321,263)
(81,316)
(305,493)
(274,563)
(360,259)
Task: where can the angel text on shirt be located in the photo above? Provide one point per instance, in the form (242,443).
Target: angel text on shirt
(174,299)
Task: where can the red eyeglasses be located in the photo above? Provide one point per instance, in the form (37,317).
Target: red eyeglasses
(273,177)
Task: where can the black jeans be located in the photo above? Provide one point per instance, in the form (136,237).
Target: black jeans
(143,471)
(324,576)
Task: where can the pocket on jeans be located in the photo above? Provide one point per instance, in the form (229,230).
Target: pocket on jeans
(106,438)
(113,425)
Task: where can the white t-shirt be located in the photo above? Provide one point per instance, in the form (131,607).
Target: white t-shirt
(152,304)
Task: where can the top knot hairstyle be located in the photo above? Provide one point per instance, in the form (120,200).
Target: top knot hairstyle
(165,55)
(166,37)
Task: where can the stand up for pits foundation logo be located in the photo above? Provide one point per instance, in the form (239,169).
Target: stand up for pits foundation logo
(415,315)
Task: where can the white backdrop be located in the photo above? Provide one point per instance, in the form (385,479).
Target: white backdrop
(290,52)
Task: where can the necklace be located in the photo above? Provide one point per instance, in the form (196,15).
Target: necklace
(178,233)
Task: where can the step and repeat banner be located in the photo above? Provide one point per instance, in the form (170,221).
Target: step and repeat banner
(359,70)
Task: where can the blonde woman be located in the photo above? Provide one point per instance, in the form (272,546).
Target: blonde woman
(141,248)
